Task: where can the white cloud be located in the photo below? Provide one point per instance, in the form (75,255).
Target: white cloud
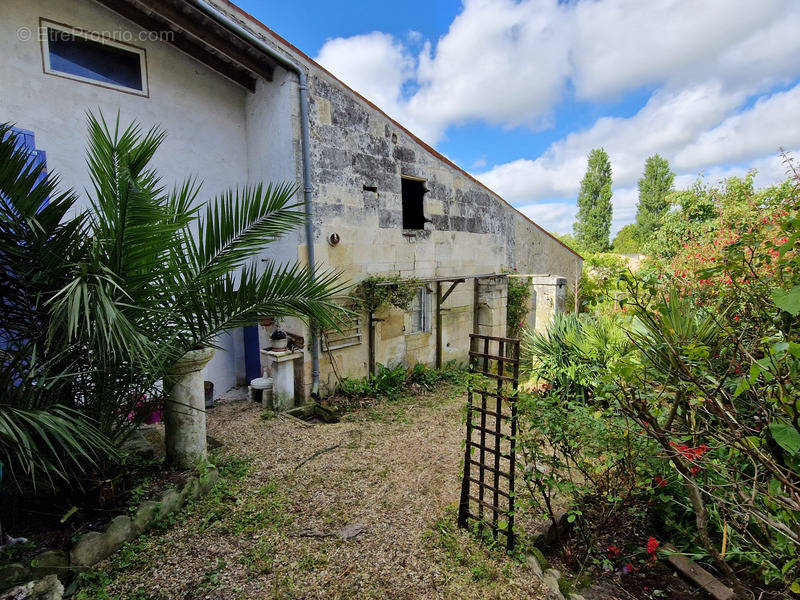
(772,123)
(625,201)
(624,44)
(668,122)
(374,64)
(502,61)
(553,216)
(510,62)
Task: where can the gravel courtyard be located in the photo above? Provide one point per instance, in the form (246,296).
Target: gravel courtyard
(364,508)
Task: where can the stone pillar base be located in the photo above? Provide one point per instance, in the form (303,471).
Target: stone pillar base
(280,366)
(184,410)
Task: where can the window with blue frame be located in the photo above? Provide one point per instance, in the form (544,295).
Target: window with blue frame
(26,141)
(91,58)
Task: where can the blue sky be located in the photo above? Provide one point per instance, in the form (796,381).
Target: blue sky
(518,91)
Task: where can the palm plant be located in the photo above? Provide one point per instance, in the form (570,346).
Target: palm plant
(147,274)
(572,352)
(42,437)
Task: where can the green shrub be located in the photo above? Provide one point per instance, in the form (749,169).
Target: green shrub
(392,382)
(517,308)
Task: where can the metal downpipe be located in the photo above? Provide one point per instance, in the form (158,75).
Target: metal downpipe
(213,13)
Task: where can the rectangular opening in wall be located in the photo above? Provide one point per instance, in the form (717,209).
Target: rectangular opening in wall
(419,314)
(92,58)
(413,191)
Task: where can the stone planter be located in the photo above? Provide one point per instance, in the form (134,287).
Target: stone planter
(184,410)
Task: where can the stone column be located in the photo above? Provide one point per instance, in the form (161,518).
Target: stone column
(185,413)
(549,298)
(493,299)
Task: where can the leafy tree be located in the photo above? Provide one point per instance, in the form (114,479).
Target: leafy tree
(570,240)
(593,223)
(627,240)
(654,187)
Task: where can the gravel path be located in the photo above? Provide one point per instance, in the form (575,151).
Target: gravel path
(364,508)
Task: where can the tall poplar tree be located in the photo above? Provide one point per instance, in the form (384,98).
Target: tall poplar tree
(654,186)
(593,222)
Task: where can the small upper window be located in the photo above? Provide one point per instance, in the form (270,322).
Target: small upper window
(413,191)
(94,59)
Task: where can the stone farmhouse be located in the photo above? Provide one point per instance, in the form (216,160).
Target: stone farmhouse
(240,104)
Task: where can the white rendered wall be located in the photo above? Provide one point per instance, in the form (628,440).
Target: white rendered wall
(203,113)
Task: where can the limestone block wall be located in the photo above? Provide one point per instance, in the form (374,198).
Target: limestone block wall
(359,156)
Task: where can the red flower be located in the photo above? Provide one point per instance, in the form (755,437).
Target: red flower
(659,481)
(613,552)
(652,547)
(690,453)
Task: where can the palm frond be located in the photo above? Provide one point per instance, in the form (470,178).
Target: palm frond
(48,444)
(240,224)
(237,300)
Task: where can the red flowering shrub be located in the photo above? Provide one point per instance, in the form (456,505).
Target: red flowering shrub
(713,386)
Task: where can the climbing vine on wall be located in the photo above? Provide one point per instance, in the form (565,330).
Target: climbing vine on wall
(519,295)
(376,291)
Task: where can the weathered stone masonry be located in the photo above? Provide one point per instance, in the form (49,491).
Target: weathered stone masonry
(359,156)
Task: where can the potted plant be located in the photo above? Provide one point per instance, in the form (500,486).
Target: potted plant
(278,338)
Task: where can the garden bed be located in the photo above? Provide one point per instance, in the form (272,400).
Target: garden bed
(615,562)
(55,521)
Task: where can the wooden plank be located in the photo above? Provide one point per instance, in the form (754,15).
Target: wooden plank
(495,376)
(513,401)
(499,491)
(492,507)
(489,468)
(494,338)
(490,450)
(491,413)
(482,468)
(371,343)
(451,288)
(476,293)
(494,357)
(199,26)
(700,576)
(463,508)
(503,396)
(439,301)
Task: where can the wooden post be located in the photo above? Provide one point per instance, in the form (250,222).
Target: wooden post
(371,342)
(475,308)
(438,324)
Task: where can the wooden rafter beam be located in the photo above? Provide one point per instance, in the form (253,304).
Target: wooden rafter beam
(151,23)
(199,26)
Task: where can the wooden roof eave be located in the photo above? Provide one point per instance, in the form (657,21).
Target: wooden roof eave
(193,33)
